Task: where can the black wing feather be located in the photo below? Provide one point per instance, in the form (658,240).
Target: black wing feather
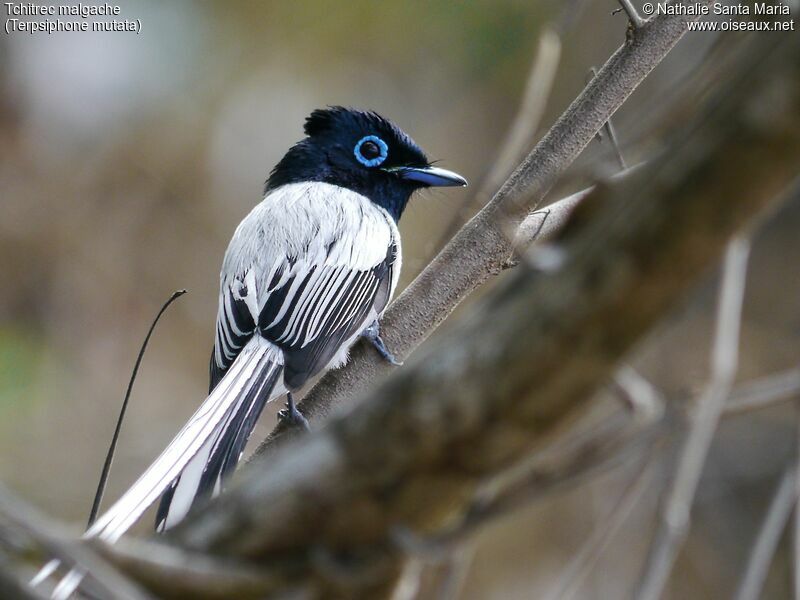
(342,301)
(342,320)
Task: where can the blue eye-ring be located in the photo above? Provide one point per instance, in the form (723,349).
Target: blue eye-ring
(376,152)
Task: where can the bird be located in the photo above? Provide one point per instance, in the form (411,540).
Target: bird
(307,272)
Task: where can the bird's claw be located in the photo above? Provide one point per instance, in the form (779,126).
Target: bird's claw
(373,334)
(292,417)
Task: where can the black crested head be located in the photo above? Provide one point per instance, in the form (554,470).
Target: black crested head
(361,151)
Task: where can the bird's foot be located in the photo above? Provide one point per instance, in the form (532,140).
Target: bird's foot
(292,417)
(373,334)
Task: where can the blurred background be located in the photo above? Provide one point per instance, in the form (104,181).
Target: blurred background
(126,161)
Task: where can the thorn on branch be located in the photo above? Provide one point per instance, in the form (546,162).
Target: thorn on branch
(612,137)
(611,132)
(636,21)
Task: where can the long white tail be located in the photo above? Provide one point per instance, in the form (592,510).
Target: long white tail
(253,375)
(250,369)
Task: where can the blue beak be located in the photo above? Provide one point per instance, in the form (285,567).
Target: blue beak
(431,176)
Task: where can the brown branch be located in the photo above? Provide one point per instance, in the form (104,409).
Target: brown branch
(482,247)
(321,513)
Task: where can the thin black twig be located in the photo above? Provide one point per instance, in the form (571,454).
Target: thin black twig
(101,485)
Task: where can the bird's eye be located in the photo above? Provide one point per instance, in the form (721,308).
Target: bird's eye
(371,151)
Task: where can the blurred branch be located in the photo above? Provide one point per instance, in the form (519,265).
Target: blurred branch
(321,513)
(16,518)
(568,462)
(763,392)
(171,571)
(12,587)
(409,582)
(674,525)
(573,576)
(771,531)
(482,247)
(179,574)
(454,573)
